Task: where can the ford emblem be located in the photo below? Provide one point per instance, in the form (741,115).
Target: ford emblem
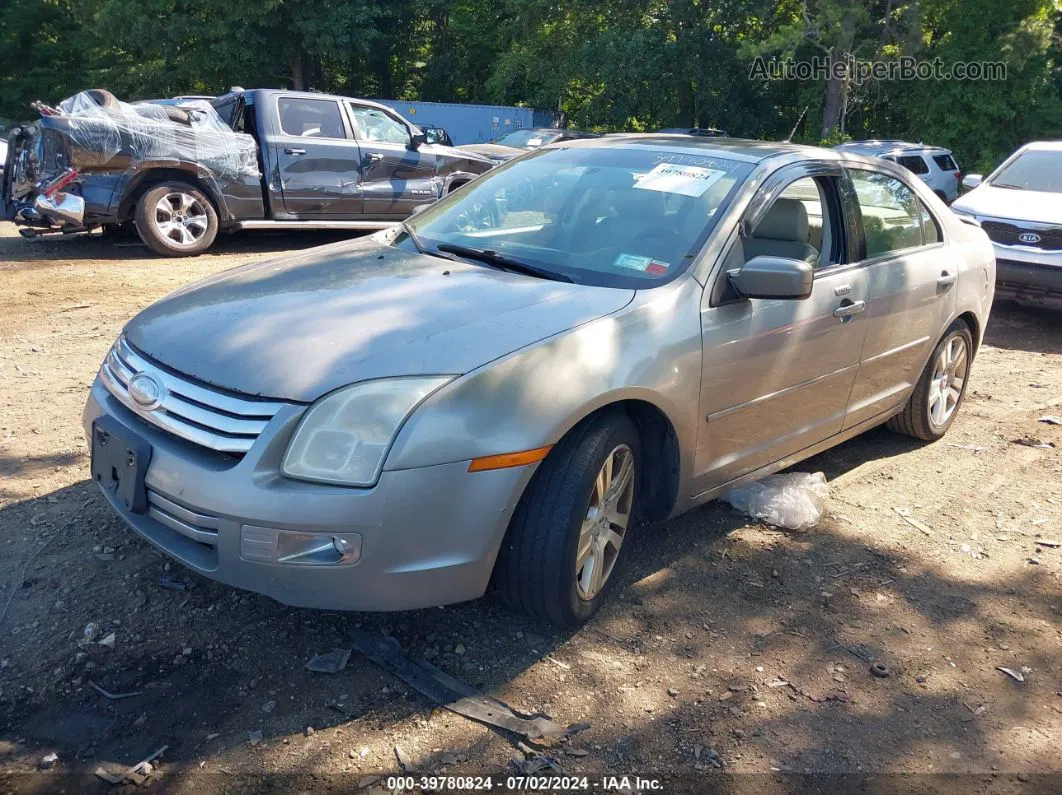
(1029,237)
(146,391)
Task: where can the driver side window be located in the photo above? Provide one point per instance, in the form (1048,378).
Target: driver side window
(373,124)
(802,223)
(797,226)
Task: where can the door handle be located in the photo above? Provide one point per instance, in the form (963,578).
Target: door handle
(374,157)
(290,150)
(849,309)
(947,279)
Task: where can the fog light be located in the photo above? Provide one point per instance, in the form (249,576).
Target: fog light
(270,545)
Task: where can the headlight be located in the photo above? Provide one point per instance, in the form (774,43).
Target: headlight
(345,436)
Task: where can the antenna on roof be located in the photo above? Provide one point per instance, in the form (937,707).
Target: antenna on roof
(792,132)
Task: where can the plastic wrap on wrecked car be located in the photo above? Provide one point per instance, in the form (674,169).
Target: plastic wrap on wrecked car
(112,131)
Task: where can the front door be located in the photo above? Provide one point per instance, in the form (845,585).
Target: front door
(396,176)
(317,159)
(911,278)
(777,374)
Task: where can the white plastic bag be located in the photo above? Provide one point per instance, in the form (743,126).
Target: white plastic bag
(794,500)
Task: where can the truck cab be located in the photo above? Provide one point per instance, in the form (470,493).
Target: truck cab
(182,171)
(327,157)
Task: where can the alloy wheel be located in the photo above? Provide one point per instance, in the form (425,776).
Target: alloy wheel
(949,377)
(181,218)
(605,527)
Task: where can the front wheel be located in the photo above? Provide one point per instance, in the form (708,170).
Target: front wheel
(567,534)
(939,392)
(176,220)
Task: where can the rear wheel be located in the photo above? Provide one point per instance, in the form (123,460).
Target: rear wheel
(567,534)
(176,220)
(939,392)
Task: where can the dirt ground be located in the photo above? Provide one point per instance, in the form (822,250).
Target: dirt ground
(733,657)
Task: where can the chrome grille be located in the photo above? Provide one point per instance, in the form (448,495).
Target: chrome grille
(210,418)
(196,526)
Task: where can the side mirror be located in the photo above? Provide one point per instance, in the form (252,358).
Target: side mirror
(971,181)
(417,139)
(773,277)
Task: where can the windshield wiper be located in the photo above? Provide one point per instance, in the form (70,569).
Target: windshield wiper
(501,262)
(1008,186)
(418,244)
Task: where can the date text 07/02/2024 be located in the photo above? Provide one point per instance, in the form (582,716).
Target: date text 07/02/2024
(522,784)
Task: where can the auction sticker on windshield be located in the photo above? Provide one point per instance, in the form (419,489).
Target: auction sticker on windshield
(684,180)
(644,264)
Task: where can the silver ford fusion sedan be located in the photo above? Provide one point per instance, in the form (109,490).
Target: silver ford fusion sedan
(492,395)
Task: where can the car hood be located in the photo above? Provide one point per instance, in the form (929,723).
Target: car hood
(494,151)
(298,327)
(1007,203)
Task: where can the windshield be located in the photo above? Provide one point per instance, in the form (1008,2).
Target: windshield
(1034,169)
(525,139)
(606,216)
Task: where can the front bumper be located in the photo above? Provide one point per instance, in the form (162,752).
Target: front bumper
(428,536)
(1030,276)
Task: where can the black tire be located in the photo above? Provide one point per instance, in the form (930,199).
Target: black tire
(177,115)
(104,98)
(536,570)
(167,241)
(916,419)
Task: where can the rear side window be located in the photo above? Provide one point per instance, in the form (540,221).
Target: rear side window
(310,118)
(891,213)
(913,163)
(930,228)
(945,162)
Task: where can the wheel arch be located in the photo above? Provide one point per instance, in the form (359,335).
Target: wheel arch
(148,178)
(456,180)
(661,451)
(971,320)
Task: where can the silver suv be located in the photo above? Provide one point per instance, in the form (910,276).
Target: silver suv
(934,165)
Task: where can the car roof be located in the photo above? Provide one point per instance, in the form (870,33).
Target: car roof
(268,92)
(733,148)
(705,131)
(890,147)
(1044,146)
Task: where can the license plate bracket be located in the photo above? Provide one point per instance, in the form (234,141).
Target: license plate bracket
(120,461)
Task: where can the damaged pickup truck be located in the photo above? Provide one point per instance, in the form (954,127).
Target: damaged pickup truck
(182,171)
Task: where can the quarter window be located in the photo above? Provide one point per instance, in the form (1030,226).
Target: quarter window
(930,228)
(310,118)
(892,215)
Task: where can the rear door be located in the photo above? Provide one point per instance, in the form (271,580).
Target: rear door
(911,278)
(318,160)
(777,374)
(396,177)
